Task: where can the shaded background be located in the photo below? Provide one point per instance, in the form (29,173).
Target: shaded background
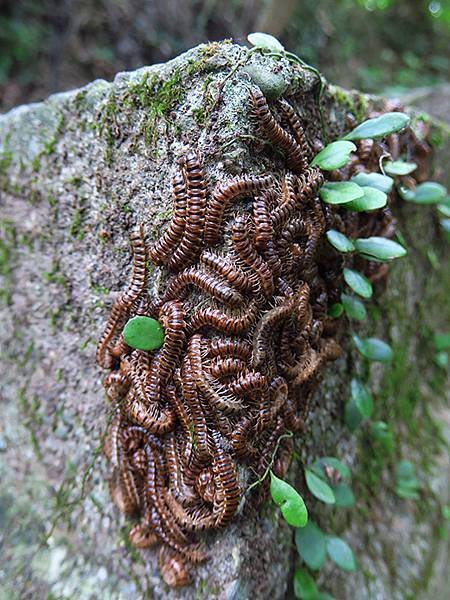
(384,46)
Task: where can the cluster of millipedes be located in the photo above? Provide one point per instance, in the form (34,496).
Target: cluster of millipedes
(247,333)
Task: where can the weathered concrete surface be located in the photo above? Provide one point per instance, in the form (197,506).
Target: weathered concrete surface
(76,172)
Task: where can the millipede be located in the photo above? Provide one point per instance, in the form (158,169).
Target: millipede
(247,282)
(159,253)
(223,197)
(297,159)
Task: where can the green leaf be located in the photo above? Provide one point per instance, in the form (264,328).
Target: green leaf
(336,310)
(441,341)
(334,156)
(373,348)
(319,488)
(406,193)
(429,192)
(444,209)
(382,434)
(379,127)
(340,192)
(374,180)
(304,585)
(335,463)
(372,200)
(311,544)
(362,397)
(353,307)
(265,41)
(143,333)
(380,248)
(340,241)
(341,553)
(353,418)
(442,359)
(358,282)
(445,224)
(406,493)
(344,495)
(325,596)
(289,500)
(407,484)
(399,167)
(405,470)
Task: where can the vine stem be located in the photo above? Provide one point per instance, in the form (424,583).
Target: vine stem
(286,435)
(236,67)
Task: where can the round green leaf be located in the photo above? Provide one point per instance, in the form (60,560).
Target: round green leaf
(445,224)
(265,41)
(353,307)
(344,495)
(441,341)
(372,200)
(374,180)
(289,500)
(382,434)
(336,310)
(442,359)
(353,418)
(304,585)
(340,241)
(399,167)
(340,192)
(335,463)
(311,545)
(373,348)
(143,333)
(406,470)
(319,488)
(341,553)
(429,192)
(407,493)
(362,398)
(407,484)
(379,127)
(444,208)
(334,156)
(358,282)
(379,247)
(406,194)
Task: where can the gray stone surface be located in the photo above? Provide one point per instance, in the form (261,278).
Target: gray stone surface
(76,173)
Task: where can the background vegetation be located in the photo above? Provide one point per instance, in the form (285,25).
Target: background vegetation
(375,45)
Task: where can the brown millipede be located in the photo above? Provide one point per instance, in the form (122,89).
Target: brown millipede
(222,197)
(207,283)
(276,134)
(192,238)
(159,253)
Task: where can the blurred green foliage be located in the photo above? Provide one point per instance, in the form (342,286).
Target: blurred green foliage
(22,33)
(375,45)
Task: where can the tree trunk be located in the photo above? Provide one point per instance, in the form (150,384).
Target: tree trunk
(76,173)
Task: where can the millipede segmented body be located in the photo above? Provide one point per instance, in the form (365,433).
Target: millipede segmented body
(223,196)
(246,336)
(297,160)
(159,253)
(192,237)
